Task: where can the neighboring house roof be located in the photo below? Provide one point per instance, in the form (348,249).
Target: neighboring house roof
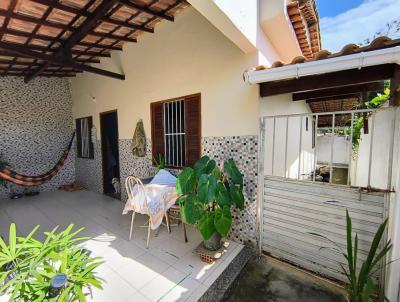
(303,15)
(379,43)
(59,38)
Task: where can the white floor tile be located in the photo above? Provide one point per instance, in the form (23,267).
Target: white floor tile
(153,263)
(114,288)
(137,297)
(136,273)
(192,264)
(168,270)
(182,291)
(160,287)
(171,250)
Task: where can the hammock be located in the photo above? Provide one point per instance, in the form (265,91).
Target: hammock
(24,180)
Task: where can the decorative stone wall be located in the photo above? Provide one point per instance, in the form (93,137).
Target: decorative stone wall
(35,128)
(132,165)
(88,171)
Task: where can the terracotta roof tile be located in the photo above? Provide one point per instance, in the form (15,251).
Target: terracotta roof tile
(378,43)
(305,21)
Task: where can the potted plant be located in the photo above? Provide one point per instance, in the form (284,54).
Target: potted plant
(57,269)
(206,196)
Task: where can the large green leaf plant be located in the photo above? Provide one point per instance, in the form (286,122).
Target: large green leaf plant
(28,266)
(207,195)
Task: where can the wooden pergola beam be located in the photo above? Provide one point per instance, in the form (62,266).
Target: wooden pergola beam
(73,51)
(48,70)
(59,75)
(146,10)
(111,36)
(77,11)
(55,39)
(20,50)
(7,53)
(328,80)
(337,92)
(76,36)
(338,97)
(25,18)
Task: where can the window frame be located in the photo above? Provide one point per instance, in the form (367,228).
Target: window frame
(79,153)
(185,99)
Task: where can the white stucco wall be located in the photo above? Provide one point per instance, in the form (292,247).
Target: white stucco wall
(304,155)
(184,57)
(382,137)
(239,21)
(278,28)
(393,276)
(340,149)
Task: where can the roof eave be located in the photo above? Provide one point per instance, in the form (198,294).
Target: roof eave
(358,60)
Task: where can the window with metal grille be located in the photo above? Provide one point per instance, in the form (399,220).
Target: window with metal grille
(174,133)
(84,142)
(176,130)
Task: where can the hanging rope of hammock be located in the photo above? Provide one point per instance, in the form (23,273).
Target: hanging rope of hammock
(28,181)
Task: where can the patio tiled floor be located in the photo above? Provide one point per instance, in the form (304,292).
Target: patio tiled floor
(167,271)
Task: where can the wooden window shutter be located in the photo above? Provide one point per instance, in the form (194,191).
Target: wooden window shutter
(193,129)
(157,129)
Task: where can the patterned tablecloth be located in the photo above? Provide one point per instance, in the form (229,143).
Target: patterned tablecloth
(155,201)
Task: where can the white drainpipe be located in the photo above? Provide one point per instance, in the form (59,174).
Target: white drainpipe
(358,60)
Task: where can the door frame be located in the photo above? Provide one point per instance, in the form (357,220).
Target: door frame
(101,115)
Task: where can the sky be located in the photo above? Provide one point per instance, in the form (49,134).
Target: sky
(353,21)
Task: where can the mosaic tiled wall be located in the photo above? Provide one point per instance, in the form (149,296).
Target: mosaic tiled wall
(243,149)
(35,128)
(89,171)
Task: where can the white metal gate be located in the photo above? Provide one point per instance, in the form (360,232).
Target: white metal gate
(294,205)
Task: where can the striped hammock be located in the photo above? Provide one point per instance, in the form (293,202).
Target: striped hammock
(24,180)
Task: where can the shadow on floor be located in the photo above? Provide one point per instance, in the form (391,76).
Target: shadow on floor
(266,279)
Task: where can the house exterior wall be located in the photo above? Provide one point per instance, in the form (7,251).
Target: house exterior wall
(393,270)
(181,58)
(341,146)
(36,127)
(380,158)
(283,105)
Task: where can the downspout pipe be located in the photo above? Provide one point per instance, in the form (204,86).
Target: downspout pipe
(358,60)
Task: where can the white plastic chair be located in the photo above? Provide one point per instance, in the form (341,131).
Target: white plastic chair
(130,183)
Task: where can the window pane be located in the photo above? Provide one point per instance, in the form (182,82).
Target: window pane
(174,133)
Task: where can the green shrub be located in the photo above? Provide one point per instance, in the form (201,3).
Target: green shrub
(28,266)
(361,286)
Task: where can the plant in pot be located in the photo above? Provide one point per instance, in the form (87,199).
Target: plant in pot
(57,269)
(206,197)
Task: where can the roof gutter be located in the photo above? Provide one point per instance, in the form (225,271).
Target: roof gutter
(358,60)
